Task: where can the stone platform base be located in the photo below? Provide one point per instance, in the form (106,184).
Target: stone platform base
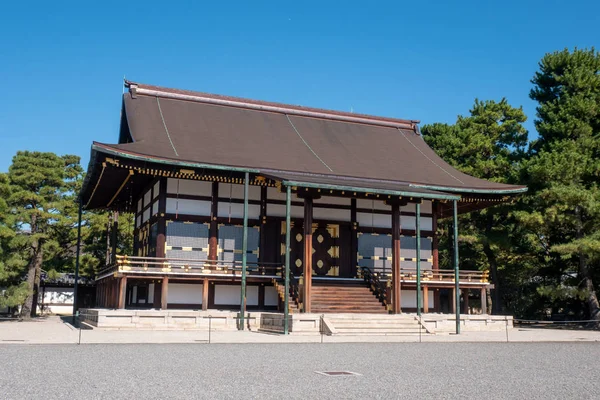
(446,323)
(272,322)
(167,319)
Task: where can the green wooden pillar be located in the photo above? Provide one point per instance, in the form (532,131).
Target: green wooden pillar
(456,274)
(418,249)
(244,252)
(288,209)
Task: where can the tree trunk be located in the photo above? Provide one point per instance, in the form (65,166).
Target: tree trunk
(495,294)
(33,280)
(34,270)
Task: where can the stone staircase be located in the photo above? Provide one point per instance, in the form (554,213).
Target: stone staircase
(344,297)
(356,325)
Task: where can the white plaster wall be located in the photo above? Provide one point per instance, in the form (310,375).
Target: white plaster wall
(237,210)
(184,293)
(271,296)
(373,204)
(231,295)
(156,189)
(275,194)
(278,210)
(374,220)
(57,295)
(385,221)
(237,191)
(408,299)
(333,214)
(342,201)
(146,215)
(147,197)
(191,187)
(188,207)
(151,293)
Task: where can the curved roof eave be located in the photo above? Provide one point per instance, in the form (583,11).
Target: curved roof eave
(436,191)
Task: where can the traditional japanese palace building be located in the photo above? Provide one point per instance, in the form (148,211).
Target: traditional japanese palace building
(218,185)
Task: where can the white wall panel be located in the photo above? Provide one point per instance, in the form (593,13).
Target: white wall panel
(230,295)
(237,191)
(237,210)
(342,201)
(188,207)
(408,299)
(331,213)
(373,204)
(252,295)
(191,187)
(271,296)
(156,189)
(147,197)
(278,210)
(409,222)
(374,220)
(185,293)
(146,215)
(425,207)
(57,295)
(151,293)
(275,194)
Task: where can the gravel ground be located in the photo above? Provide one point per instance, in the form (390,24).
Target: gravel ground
(388,370)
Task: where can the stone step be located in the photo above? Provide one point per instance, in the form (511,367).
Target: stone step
(380,331)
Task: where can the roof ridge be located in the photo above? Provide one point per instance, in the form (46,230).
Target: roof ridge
(159,91)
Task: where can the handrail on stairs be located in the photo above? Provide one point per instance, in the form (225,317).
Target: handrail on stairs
(378,287)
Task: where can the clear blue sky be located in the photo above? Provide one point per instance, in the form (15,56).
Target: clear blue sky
(62,63)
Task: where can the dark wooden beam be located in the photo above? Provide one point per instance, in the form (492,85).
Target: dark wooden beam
(205,287)
(213,234)
(308,217)
(465,301)
(262,244)
(164,293)
(157,292)
(435,252)
(161,237)
(354,236)
(396,305)
(122,292)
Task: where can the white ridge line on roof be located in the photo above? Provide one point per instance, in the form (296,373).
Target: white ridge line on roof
(165,125)
(425,155)
(306,144)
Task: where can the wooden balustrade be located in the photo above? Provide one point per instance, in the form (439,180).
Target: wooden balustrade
(444,275)
(191,266)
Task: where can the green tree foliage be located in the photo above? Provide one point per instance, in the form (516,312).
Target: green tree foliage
(38,226)
(40,194)
(488,144)
(563,173)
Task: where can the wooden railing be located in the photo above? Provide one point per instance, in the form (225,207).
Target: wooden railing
(444,275)
(378,287)
(190,266)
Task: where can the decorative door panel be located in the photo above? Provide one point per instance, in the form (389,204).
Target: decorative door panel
(325,249)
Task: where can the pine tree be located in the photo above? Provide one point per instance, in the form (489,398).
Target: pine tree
(488,144)
(564,175)
(38,184)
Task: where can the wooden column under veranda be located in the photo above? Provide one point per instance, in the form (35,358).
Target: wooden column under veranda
(308,218)
(396,228)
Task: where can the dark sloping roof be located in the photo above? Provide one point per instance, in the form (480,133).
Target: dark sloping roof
(325,147)
(194,128)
